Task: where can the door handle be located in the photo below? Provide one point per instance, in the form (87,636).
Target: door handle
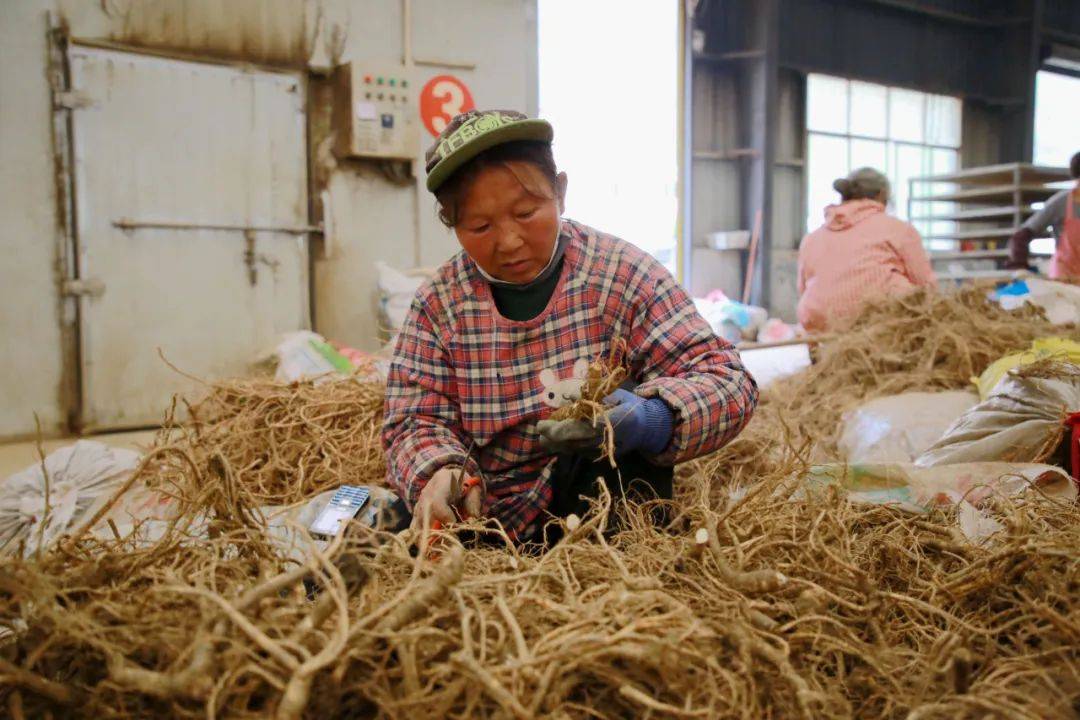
(92,287)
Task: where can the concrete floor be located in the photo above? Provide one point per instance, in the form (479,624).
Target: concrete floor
(16,456)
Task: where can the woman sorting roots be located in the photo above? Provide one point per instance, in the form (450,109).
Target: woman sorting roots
(503,335)
(860,253)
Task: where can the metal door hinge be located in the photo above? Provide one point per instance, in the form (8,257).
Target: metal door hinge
(249,257)
(72,100)
(90,286)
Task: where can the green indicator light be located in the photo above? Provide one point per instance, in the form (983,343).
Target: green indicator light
(379,81)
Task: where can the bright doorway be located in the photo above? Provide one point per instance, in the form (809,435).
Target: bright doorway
(1057,116)
(1057,107)
(609,85)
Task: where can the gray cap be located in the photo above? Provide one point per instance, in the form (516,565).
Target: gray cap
(864,182)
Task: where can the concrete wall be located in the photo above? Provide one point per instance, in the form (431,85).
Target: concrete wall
(371,217)
(374,220)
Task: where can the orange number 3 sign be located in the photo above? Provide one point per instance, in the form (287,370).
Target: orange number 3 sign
(442,98)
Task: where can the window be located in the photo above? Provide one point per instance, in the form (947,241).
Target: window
(1057,106)
(903,133)
(1057,109)
(612,95)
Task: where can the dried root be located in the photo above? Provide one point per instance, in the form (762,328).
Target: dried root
(604,376)
(289,441)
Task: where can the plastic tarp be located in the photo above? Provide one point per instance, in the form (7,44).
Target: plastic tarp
(1044,348)
(79,476)
(967,486)
(286,527)
(1060,301)
(299,357)
(141,515)
(899,428)
(1014,424)
(148,514)
(396,292)
(85,476)
(730,319)
(305,355)
(768,365)
(919,489)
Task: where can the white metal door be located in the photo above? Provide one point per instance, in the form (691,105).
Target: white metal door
(190,211)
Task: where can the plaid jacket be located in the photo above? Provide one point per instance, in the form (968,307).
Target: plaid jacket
(462,373)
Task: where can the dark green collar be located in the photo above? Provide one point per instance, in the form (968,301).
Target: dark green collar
(525,302)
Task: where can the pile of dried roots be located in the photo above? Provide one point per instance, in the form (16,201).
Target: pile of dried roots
(287,442)
(749,604)
(925,341)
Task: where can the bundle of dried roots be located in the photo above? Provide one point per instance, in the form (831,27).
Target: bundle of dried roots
(603,377)
(283,443)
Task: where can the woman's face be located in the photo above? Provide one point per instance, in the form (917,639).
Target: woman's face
(509,231)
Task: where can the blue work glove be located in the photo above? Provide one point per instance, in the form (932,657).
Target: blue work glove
(639,425)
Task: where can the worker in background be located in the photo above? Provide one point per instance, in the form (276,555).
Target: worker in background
(1062,213)
(861,252)
(501,336)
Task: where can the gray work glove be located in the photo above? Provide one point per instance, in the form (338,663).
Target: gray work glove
(638,424)
(569,436)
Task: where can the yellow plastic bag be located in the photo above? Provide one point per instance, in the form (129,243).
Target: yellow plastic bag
(1057,347)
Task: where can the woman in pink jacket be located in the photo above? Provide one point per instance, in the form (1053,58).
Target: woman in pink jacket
(858,254)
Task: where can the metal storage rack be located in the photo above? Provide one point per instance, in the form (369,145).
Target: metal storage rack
(989,203)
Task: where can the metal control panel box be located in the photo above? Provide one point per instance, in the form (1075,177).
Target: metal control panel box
(375,114)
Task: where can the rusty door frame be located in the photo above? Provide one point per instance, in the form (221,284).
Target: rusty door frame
(69,284)
(171,54)
(69,395)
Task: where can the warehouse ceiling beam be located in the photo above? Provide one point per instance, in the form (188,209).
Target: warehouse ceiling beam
(940,13)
